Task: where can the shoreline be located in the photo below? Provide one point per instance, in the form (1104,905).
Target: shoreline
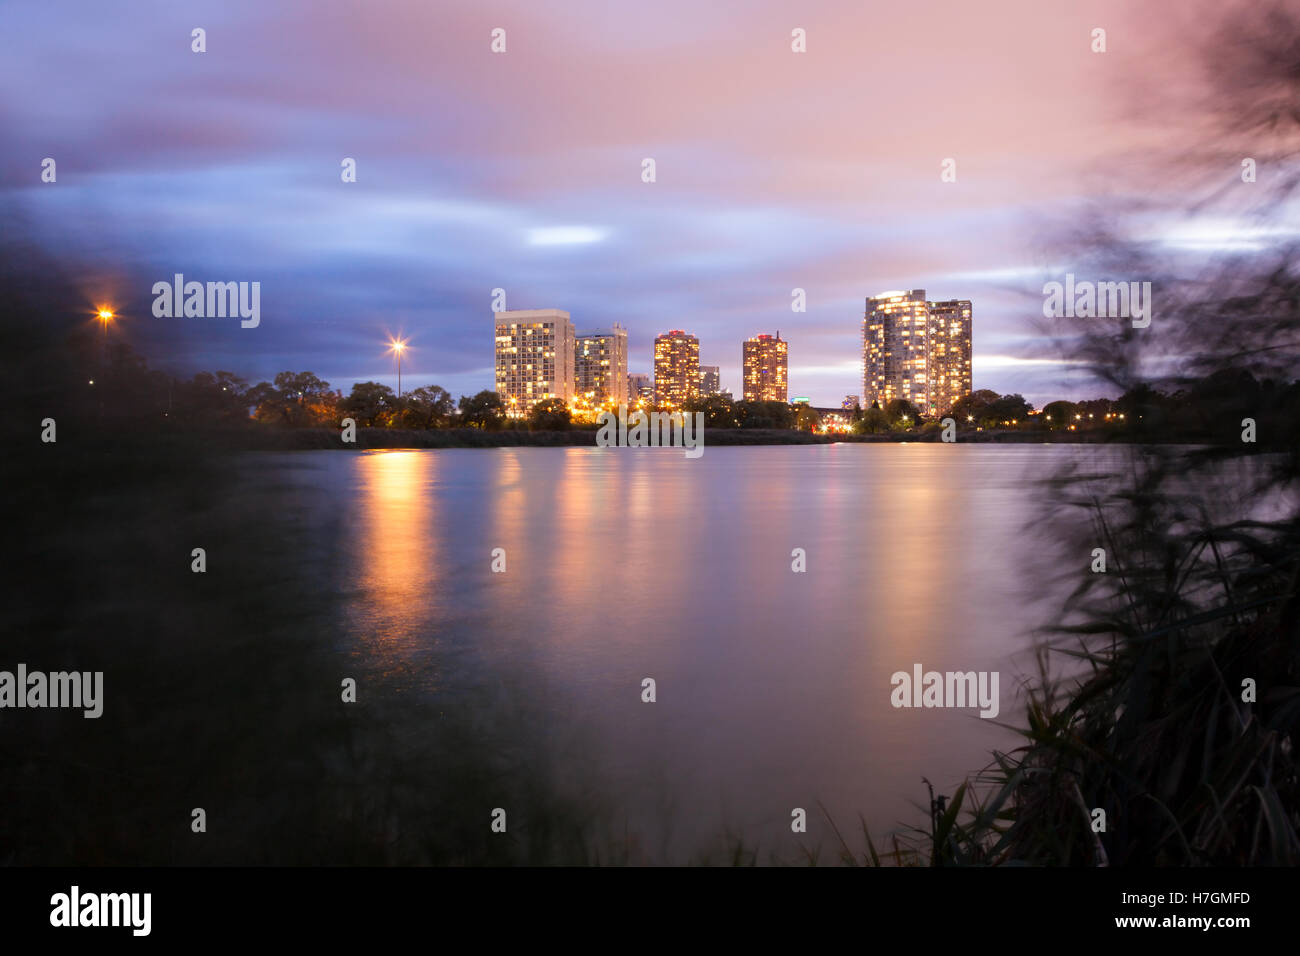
(274,438)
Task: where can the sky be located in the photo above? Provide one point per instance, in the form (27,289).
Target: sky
(522,170)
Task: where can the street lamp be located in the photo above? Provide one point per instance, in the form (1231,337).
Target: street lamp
(105,316)
(397,347)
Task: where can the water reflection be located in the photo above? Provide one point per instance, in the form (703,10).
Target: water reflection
(399,577)
(773,686)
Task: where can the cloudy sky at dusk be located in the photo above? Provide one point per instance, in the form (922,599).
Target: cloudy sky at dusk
(522,170)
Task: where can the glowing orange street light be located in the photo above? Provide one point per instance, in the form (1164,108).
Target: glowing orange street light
(397,347)
(105,316)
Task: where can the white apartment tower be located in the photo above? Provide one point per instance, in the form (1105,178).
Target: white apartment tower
(600,365)
(534,357)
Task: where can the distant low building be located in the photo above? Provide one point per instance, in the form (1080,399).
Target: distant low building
(851,402)
(640,386)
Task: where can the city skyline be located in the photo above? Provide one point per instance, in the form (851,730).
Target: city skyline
(912,348)
(527,181)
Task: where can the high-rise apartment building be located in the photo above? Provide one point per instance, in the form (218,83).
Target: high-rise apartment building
(710,379)
(916,350)
(950,353)
(677,368)
(766,362)
(600,365)
(534,357)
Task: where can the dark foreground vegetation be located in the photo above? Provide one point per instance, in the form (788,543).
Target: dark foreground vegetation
(1168,698)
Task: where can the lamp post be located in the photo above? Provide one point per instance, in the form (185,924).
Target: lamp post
(397,347)
(105,316)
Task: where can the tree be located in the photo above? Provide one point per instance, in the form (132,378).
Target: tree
(764,415)
(427,407)
(296,398)
(900,413)
(1009,409)
(483,410)
(1059,414)
(807,418)
(989,409)
(719,411)
(1144,407)
(263,399)
(209,399)
(1098,408)
(371,404)
(549,415)
(972,407)
(872,422)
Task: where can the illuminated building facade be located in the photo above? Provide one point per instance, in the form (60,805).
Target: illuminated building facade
(950,353)
(710,379)
(766,363)
(534,357)
(640,387)
(916,350)
(677,368)
(600,365)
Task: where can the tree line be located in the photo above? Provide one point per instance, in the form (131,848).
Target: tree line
(1211,408)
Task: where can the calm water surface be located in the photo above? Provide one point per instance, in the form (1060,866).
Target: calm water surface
(773,687)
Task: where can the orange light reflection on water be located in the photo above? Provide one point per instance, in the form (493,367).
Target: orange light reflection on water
(400,544)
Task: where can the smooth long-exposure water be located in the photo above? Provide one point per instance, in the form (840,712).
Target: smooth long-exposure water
(772,687)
